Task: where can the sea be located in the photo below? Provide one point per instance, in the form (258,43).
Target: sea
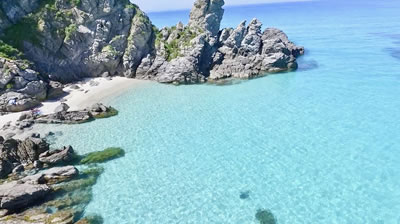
(320,145)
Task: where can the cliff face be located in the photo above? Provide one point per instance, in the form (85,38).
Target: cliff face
(71,39)
(67,40)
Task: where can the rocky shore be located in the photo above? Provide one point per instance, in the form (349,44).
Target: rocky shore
(42,185)
(45,44)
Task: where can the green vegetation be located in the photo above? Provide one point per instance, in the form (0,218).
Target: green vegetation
(26,29)
(110,50)
(75,3)
(103,156)
(265,217)
(110,113)
(174,47)
(9,86)
(70,31)
(9,52)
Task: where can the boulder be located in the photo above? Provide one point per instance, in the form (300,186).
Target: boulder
(65,117)
(5,168)
(52,176)
(16,195)
(36,89)
(65,154)
(63,107)
(55,91)
(17,102)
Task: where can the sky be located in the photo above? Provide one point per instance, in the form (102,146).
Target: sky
(165,5)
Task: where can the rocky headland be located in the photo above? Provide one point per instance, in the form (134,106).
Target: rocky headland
(47,43)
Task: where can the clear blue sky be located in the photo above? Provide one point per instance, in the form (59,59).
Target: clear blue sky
(164,5)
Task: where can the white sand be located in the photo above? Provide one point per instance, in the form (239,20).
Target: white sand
(81,98)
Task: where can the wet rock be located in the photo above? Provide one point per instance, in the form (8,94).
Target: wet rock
(103,156)
(65,117)
(53,175)
(58,156)
(17,194)
(99,111)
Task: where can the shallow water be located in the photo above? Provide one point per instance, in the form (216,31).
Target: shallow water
(320,145)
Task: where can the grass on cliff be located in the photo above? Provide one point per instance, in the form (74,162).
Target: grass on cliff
(173,49)
(9,52)
(103,156)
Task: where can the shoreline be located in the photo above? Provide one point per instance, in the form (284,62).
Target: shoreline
(79,96)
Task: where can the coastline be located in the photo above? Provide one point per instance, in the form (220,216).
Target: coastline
(79,96)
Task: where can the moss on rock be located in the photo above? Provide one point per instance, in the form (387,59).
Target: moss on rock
(109,113)
(103,156)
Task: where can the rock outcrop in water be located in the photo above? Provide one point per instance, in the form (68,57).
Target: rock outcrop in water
(199,51)
(42,193)
(67,40)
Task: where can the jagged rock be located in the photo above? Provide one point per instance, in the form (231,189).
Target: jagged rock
(52,176)
(5,168)
(18,194)
(20,86)
(108,38)
(56,90)
(18,169)
(14,151)
(65,117)
(16,102)
(207,15)
(63,107)
(57,156)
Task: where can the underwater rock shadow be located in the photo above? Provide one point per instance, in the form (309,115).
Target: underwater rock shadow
(306,65)
(394,52)
(265,216)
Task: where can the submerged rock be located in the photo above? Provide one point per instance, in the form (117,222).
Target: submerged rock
(265,217)
(102,156)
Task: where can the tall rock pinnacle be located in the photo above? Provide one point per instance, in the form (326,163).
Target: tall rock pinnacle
(207,15)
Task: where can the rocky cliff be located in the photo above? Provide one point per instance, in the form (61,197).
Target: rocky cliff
(67,40)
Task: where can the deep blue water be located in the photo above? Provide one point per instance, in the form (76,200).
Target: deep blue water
(316,146)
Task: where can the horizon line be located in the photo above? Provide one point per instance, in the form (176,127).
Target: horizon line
(234,5)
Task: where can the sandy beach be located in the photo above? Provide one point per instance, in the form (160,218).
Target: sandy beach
(90,91)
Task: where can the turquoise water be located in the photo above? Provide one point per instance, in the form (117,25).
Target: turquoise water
(319,146)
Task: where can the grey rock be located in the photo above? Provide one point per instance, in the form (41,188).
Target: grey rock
(5,168)
(52,176)
(65,117)
(55,91)
(37,89)
(65,154)
(207,15)
(16,195)
(63,107)
(16,102)
(18,169)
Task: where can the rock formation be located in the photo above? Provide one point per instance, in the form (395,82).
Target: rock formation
(68,40)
